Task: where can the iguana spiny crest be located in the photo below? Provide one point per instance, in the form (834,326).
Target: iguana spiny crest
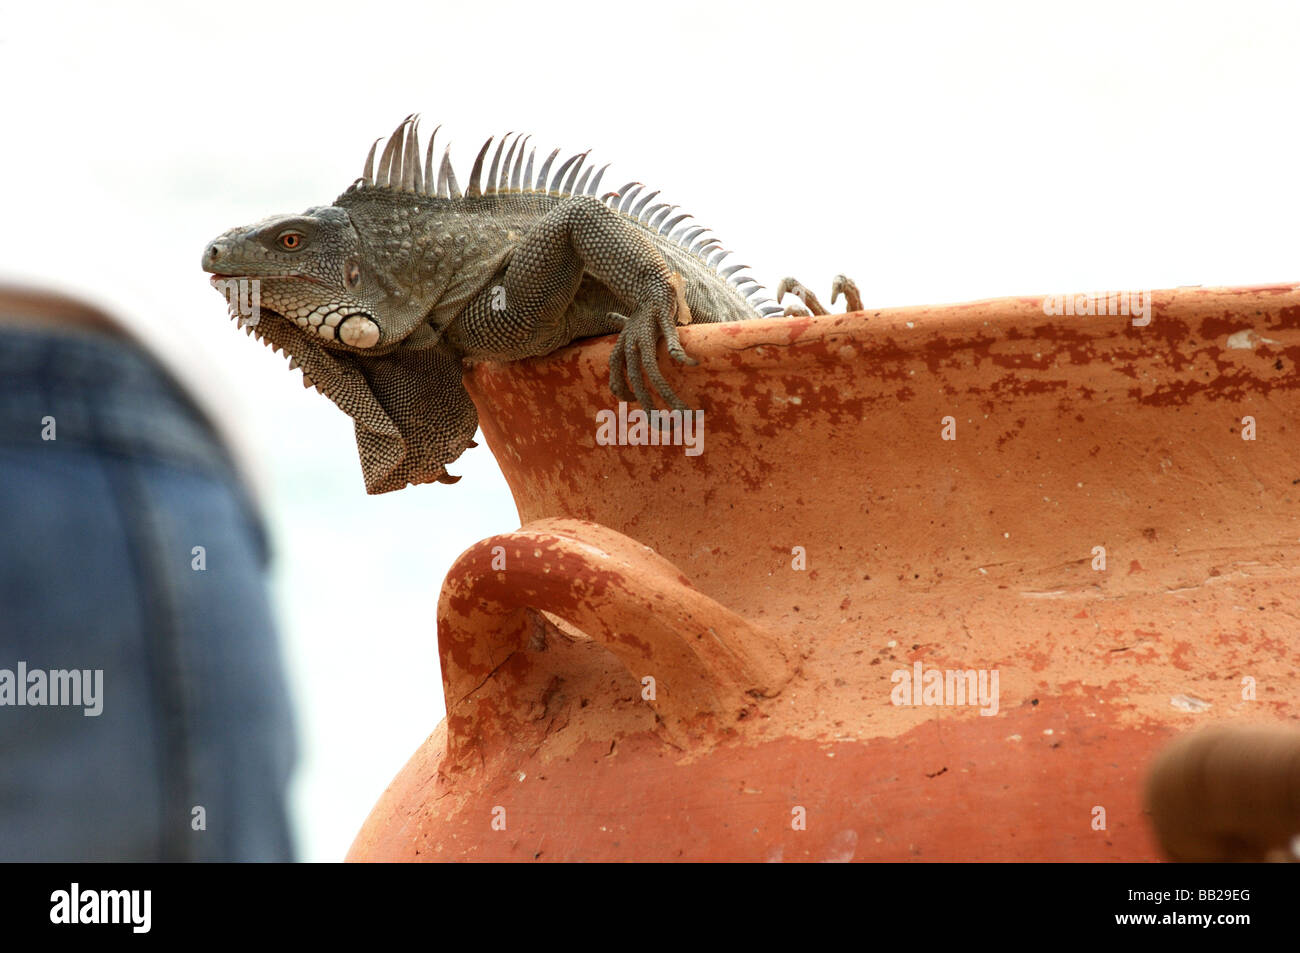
(380,296)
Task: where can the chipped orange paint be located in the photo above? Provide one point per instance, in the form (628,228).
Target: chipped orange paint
(1072,432)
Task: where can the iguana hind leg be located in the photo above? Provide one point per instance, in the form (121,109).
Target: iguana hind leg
(810,305)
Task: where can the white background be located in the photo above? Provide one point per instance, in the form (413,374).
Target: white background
(935,151)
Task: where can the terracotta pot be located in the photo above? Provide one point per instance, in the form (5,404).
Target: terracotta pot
(775,684)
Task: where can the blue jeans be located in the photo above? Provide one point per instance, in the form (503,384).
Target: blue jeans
(190,756)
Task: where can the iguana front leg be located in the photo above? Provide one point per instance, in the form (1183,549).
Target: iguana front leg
(528,312)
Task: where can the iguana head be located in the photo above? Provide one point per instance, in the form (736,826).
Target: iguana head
(328,287)
(311,271)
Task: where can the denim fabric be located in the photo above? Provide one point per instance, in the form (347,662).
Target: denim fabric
(97,531)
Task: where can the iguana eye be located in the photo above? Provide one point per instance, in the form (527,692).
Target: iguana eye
(290,241)
(352,275)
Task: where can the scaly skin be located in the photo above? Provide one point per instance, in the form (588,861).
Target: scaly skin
(381,296)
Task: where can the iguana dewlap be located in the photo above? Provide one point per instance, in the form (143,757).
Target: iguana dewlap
(380,296)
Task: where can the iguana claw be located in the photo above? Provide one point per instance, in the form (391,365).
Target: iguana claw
(842,285)
(794,287)
(635,357)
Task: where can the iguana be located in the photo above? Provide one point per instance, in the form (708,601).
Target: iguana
(382,295)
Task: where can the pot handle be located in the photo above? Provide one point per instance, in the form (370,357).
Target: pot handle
(707,660)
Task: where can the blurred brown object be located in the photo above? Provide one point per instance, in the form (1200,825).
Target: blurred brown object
(1227,793)
(40,307)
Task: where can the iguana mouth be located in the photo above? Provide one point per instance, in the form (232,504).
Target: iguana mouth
(222,276)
